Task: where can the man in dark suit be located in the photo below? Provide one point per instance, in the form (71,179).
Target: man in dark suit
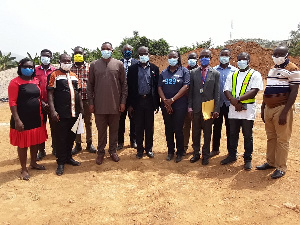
(143,100)
(128,61)
(204,87)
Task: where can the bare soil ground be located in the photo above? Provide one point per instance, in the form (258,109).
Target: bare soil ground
(149,191)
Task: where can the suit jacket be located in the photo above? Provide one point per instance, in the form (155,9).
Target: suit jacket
(133,61)
(132,81)
(211,89)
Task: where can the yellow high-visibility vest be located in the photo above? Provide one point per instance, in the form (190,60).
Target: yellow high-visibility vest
(244,86)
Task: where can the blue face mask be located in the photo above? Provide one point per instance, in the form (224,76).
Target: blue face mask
(127,54)
(224,59)
(27,71)
(192,62)
(106,53)
(173,61)
(242,64)
(204,61)
(144,58)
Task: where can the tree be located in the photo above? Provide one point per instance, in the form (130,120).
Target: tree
(7,62)
(156,47)
(294,44)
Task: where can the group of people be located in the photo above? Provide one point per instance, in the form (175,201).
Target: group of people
(197,96)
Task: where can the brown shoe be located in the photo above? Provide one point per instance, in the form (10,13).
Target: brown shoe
(100,158)
(114,157)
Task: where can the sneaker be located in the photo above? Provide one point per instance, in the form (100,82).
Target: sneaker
(248,165)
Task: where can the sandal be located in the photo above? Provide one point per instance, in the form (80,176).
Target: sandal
(26,177)
(37,167)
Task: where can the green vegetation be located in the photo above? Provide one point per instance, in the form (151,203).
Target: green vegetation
(7,62)
(294,45)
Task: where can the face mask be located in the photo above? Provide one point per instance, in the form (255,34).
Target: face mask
(45,60)
(242,64)
(144,58)
(204,61)
(106,53)
(192,62)
(27,71)
(173,61)
(224,59)
(78,58)
(65,67)
(279,60)
(127,54)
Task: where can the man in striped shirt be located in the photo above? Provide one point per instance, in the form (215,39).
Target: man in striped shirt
(277,110)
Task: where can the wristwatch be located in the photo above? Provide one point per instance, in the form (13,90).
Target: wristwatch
(238,98)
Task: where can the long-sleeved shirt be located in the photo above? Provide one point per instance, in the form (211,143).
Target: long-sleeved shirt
(107,86)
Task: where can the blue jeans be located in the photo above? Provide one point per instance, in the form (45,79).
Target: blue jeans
(235,125)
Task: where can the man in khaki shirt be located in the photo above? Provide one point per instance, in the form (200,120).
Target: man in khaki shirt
(107,93)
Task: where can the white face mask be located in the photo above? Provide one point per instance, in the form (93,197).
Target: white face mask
(45,60)
(66,67)
(279,60)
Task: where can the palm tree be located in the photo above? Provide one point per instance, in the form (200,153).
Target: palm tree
(7,62)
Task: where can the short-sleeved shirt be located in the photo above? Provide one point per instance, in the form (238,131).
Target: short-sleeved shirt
(66,88)
(223,76)
(255,82)
(82,73)
(42,76)
(278,84)
(172,82)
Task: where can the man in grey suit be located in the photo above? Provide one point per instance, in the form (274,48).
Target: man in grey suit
(204,86)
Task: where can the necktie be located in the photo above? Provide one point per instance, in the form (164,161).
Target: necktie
(126,66)
(203,75)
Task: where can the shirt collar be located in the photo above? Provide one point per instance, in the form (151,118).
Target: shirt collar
(140,64)
(205,69)
(49,68)
(228,67)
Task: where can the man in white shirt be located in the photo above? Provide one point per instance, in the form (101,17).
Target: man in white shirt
(240,89)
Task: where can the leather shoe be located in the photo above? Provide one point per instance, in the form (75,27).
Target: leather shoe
(150,154)
(90,148)
(248,165)
(228,160)
(73,162)
(133,145)
(41,155)
(264,166)
(77,149)
(120,146)
(214,153)
(100,158)
(114,157)
(178,158)
(169,157)
(60,170)
(205,161)
(277,174)
(139,155)
(195,158)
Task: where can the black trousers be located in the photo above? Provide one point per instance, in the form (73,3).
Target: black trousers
(247,127)
(217,131)
(174,125)
(144,124)
(65,139)
(53,131)
(121,131)
(198,124)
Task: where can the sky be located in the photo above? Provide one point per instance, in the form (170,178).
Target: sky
(58,25)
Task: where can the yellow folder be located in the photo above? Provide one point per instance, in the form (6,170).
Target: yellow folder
(207,109)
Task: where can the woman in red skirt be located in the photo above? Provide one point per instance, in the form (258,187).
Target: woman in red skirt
(27,128)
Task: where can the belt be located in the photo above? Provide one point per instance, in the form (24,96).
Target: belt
(276,95)
(145,96)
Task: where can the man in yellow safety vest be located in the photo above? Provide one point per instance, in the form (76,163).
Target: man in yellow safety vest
(240,89)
